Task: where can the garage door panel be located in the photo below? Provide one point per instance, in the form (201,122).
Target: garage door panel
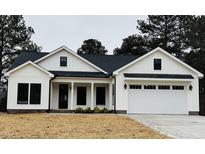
(157,101)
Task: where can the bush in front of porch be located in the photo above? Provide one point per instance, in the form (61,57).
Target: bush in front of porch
(88,110)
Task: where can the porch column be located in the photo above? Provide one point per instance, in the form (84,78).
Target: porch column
(110,96)
(50,97)
(92,95)
(72,91)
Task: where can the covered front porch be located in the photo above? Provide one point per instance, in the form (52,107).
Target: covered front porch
(68,94)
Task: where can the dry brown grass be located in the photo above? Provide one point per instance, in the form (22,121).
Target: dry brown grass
(72,126)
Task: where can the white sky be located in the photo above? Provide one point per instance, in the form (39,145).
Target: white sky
(52,32)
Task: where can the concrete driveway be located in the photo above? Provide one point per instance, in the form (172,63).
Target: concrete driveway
(176,126)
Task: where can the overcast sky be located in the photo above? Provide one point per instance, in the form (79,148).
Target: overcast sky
(52,32)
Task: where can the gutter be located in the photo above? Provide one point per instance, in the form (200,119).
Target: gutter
(114,92)
(49,101)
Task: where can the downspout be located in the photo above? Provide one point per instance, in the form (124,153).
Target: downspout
(7,86)
(49,101)
(114,92)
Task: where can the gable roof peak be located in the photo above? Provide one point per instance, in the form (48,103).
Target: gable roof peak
(73,53)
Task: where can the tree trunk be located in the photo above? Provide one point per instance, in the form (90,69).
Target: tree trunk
(1,48)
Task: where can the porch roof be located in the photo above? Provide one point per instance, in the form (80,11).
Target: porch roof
(80,74)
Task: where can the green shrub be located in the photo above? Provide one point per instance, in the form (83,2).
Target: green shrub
(79,110)
(105,110)
(88,110)
(97,110)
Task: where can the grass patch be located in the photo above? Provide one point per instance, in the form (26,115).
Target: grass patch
(42,125)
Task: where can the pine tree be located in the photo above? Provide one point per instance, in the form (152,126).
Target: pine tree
(14,38)
(165,31)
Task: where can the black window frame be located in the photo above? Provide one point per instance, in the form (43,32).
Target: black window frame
(35,98)
(175,87)
(63,63)
(150,87)
(157,64)
(163,87)
(135,86)
(19,91)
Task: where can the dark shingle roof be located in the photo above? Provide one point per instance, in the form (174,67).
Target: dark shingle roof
(108,63)
(79,74)
(165,76)
(27,56)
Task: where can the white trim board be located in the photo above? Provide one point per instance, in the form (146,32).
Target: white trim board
(73,53)
(157,79)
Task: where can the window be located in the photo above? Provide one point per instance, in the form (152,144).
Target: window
(178,87)
(63,61)
(35,94)
(149,87)
(23,91)
(157,64)
(135,87)
(164,87)
(22,96)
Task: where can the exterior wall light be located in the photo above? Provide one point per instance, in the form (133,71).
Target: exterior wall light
(190,87)
(125,86)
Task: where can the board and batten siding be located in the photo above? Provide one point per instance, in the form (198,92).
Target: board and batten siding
(169,66)
(28,74)
(73,63)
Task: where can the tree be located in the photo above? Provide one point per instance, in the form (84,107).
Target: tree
(165,31)
(132,45)
(196,41)
(14,38)
(92,46)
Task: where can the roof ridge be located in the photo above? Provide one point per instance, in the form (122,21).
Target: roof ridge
(110,55)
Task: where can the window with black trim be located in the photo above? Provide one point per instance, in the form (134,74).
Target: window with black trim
(135,87)
(157,64)
(22,96)
(163,87)
(35,93)
(149,87)
(178,87)
(63,61)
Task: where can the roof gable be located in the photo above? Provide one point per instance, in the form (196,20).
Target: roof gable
(29,63)
(200,75)
(71,52)
(27,56)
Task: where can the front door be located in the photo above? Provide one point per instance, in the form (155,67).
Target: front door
(63,96)
(100,95)
(81,95)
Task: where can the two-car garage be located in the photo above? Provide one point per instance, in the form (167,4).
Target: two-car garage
(160,98)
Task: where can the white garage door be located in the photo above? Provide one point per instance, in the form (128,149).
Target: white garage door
(157,99)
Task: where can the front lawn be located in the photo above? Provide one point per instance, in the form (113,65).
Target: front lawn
(42,125)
